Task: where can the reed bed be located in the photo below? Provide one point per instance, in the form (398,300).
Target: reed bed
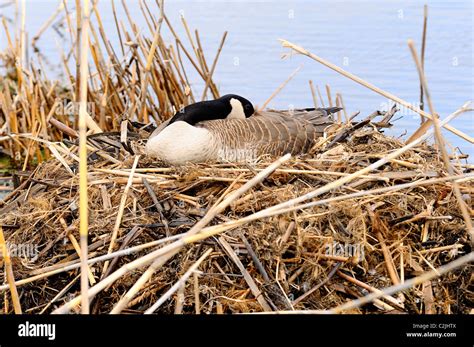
(364,223)
(143,78)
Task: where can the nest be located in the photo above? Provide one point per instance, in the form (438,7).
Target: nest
(312,258)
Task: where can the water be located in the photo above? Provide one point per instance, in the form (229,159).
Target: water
(366,38)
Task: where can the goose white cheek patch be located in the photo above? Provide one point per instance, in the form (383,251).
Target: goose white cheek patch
(237,110)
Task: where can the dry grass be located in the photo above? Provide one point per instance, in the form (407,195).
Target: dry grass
(363,216)
(401,232)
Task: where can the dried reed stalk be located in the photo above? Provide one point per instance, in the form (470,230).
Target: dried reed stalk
(180,283)
(279,89)
(441,143)
(388,95)
(83,194)
(118,220)
(9,273)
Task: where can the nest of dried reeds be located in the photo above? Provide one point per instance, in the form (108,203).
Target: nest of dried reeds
(362,224)
(380,230)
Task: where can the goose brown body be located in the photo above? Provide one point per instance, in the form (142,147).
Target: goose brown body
(269,133)
(265,133)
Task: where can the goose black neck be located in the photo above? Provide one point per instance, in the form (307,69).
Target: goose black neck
(202,111)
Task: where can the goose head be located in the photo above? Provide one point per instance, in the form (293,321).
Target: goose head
(230,106)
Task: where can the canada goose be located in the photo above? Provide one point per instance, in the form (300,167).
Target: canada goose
(227,129)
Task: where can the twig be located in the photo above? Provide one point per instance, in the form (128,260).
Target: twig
(328,92)
(47,23)
(178,284)
(255,259)
(361,284)
(197,305)
(313,94)
(441,143)
(213,67)
(60,294)
(427,276)
(423,46)
(83,194)
(59,268)
(279,89)
(118,220)
(319,285)
(251,283)
(405,285)
(4,252)
(377,90)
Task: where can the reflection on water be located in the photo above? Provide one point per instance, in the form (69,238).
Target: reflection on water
(367,38)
